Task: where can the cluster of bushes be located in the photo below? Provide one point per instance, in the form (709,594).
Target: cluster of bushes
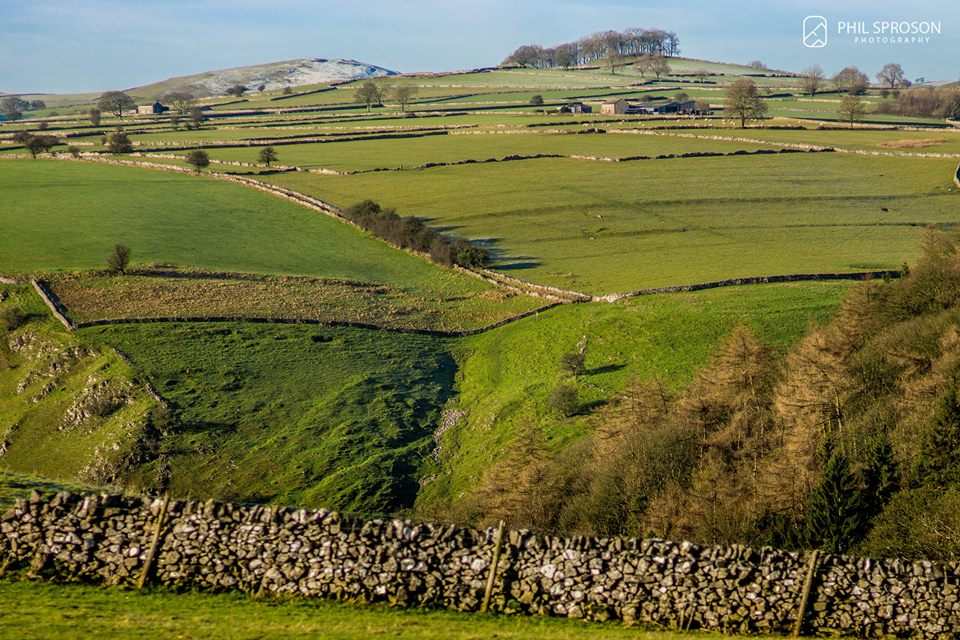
(850,442)
(924,102)
(117,142)
(408,232)
(36,144)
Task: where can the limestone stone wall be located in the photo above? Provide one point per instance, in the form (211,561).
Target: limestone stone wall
(272,550)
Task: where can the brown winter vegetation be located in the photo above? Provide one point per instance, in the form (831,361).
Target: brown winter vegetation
(924,102)
(850,442)
(172,294)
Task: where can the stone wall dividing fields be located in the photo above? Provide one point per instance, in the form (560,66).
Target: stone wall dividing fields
(212,546)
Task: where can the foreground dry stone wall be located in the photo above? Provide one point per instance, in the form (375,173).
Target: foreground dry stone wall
(271,550)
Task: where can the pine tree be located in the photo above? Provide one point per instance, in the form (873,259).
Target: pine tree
(836,517)
(880,477)
(940,456)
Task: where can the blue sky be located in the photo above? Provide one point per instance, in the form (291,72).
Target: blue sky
(90,45)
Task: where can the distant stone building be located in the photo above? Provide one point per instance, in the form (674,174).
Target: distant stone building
(613,107)
(576,107)
(151,109)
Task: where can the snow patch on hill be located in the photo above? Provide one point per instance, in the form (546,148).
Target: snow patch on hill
(275,75)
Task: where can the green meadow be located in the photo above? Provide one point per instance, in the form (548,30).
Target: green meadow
(602,227)
(74,611)
(410,152)
(62,216)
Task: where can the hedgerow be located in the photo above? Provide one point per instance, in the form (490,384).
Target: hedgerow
(408,232)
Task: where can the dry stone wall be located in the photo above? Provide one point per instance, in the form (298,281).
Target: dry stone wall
(272,550)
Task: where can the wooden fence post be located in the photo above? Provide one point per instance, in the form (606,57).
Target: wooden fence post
(155,542)
(805,594)
(497,544)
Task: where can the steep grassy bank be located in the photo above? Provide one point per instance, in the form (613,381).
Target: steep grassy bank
(506,377)
(68,410)
(298,415)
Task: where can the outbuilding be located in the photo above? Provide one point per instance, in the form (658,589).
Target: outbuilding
(575,107)
(152,109)
(613,107)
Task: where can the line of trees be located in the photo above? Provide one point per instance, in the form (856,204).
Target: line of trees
(611,46)
(925,102)
(373,94)
(408,232)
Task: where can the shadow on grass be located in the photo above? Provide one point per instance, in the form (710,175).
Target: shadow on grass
(609,368)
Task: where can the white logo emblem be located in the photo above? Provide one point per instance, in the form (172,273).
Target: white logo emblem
(815,32)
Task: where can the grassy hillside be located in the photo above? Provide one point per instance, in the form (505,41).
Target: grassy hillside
(41,611)
(67,410)
(65,216)
(333,417)
(506,376)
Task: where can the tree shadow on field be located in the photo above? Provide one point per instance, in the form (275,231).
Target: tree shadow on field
(501,261)
(516,266)
(609,368)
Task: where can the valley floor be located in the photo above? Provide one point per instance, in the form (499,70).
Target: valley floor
(79,612)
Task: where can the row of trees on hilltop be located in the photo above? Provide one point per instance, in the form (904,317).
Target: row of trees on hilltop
(854,81)
(611,46)
(849,443)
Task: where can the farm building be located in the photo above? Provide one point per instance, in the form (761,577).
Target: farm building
(684,107)
(576,107)
(151,109)
(613,107)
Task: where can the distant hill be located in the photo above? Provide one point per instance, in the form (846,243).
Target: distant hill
(275,75)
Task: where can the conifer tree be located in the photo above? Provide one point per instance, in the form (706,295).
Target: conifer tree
(940,456)
(880,477)
(835,513)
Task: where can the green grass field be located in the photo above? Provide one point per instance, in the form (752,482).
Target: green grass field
(601,227)
(35,611)
(408,153)
(506,376)
(297,415)
(78,211)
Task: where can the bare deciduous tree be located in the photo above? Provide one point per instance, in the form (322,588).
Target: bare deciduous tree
(812,79)
(198,159)
(743,101)
(180,101)
(268,156)
(852,80)
(403,94)
(892,76)
(119,259)
(115,102)
(369,94)
(852,108)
